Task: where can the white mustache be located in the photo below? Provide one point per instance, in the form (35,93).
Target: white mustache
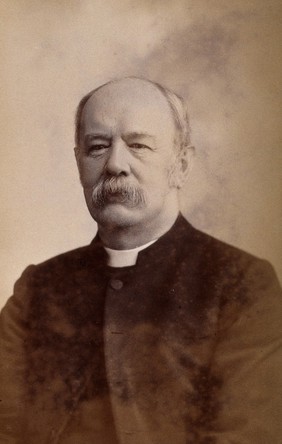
(119,188)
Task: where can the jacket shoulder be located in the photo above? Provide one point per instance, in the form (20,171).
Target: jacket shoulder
(71,257)
(221,255)
(227,269)
(82,258)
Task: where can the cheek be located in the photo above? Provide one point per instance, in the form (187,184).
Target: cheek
(163,176)
(88,196)
(89,171)
(157,184)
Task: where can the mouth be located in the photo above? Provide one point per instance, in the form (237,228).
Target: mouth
(118,198)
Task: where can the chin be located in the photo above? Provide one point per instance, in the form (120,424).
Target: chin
(117,215)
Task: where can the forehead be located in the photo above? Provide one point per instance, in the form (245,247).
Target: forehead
(128,104)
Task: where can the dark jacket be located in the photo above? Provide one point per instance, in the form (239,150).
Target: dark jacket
(184,347)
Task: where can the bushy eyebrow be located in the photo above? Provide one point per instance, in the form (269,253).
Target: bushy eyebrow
(137,135)
(96,136)
(127,136)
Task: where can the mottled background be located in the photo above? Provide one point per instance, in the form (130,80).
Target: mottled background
(223,56)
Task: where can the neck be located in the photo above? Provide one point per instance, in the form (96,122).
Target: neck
(132,236)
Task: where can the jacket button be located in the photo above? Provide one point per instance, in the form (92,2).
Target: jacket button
(116,284)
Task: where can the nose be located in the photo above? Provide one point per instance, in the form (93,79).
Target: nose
(118,160)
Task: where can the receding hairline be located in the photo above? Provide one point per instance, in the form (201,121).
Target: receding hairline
(175,102)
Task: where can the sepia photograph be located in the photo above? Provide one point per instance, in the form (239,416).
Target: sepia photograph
(141,235)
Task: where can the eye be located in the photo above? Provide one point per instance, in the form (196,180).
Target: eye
(97,148)
(138,146)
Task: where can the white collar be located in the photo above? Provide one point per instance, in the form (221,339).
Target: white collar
(125,258)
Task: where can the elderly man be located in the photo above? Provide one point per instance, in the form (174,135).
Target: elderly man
(156,333)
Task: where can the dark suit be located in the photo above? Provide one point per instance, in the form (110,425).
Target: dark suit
(183,347)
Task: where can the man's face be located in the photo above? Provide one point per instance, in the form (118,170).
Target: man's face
(126,155)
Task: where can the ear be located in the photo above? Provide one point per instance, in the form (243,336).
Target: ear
(184,165)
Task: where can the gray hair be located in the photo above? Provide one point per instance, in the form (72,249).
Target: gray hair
(175,102)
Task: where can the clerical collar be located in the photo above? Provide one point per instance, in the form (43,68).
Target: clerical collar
(125,258)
